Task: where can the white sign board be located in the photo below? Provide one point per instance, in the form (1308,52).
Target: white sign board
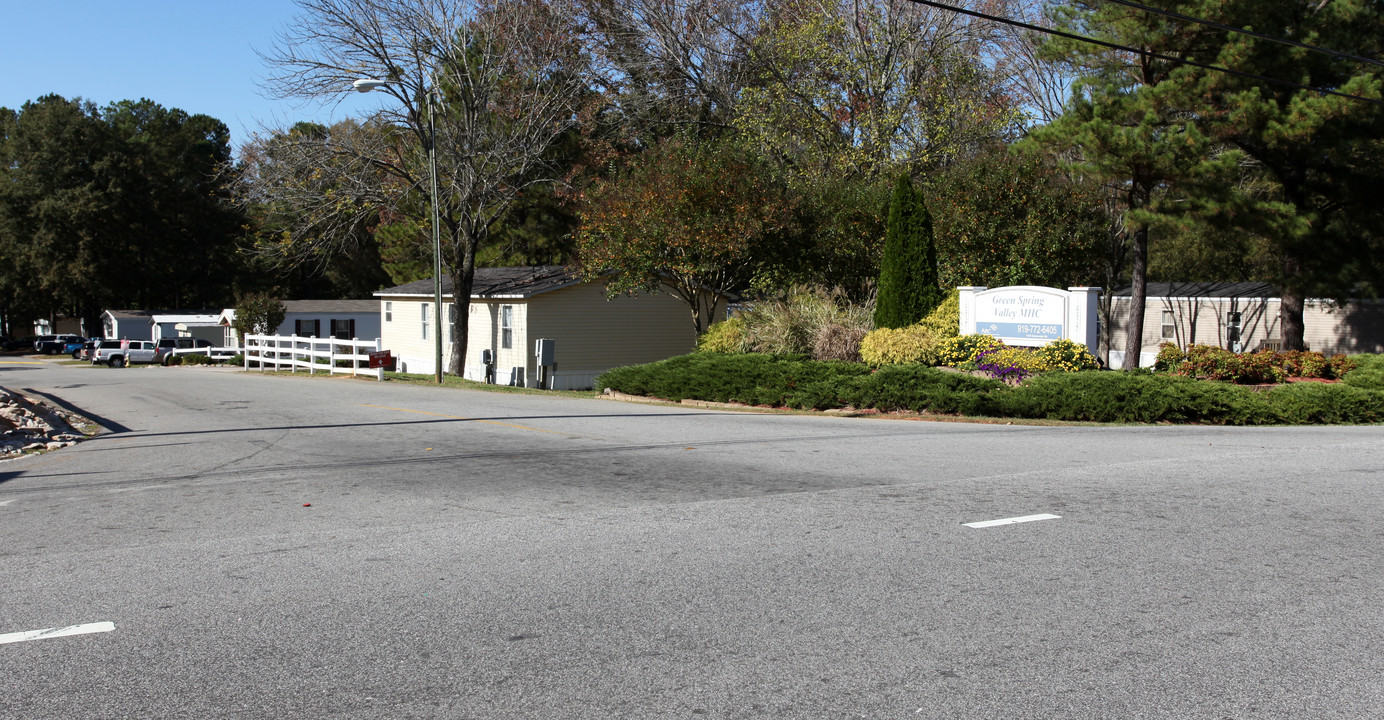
(1022,315)
(1030,315)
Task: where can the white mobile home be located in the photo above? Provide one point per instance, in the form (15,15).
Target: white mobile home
(126,324)
(1242,317)
(195,324)
(342,319)
(511,308)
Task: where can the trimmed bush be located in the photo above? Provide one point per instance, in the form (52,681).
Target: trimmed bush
(890,346)
(1367,372)
(917,343)
(1266,366)
(727,336)
(1169,358)
(922,389)
(945,321)
(1321,403)
(1210,362)
(174,360)
(752,378)
(1136,397)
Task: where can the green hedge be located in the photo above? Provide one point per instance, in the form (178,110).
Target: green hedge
(797,382)
(1368,373)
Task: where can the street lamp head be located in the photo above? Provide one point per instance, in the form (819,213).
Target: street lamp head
(367,84)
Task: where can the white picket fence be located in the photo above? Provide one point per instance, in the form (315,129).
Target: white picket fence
(278,352)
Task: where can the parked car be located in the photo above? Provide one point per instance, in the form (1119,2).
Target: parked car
(166,346)
(112,352)
(25,343)
(84,352)
(57,344)
(74,346)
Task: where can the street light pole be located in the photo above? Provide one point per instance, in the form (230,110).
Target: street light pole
(437,241)
(366,85)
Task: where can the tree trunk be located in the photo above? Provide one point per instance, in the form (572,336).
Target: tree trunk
(1138,292)
(463,275)
(1290,322)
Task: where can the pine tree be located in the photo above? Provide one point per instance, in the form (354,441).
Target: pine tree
(1121,129)
(908,288)
(1318,152)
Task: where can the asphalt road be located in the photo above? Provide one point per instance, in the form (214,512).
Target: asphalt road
(274,547)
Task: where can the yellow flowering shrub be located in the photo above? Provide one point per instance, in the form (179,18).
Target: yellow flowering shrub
(1017,357)
(1066,356)
(963,349)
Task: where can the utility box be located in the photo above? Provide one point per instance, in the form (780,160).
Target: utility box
(487,357)
(545,351)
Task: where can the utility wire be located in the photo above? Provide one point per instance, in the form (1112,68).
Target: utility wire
(1242,31)
(1146,53)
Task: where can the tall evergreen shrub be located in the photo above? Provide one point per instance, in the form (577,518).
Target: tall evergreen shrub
(908,288)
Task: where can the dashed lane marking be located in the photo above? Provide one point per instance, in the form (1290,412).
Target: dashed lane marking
(1011,521)
(57,632)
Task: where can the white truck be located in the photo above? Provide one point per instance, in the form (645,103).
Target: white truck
(118,353)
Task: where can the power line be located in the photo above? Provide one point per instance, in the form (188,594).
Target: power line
(1242,31)
(1145,53)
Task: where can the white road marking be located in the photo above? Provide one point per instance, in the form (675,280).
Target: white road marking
(1011,521)
(3,503)
(57,632)
(141,487)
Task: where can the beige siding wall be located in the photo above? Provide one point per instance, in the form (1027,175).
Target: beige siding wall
(1357,327)
(487,332)
(1199,320)
(403,334)
(594,334)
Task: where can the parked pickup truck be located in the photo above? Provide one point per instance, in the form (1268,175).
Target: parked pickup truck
(168,347)
(111,352)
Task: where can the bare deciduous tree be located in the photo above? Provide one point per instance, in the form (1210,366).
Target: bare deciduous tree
(672,61)
(504,78)
(865,87)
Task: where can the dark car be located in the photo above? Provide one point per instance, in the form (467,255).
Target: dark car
(24,343)
(57,344)
(166,346)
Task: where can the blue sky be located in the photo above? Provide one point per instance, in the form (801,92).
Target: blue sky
(195,55)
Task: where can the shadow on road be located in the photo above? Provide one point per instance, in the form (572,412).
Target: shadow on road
(109,425)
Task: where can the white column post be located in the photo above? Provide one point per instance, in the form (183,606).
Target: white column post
(968,308)
(379,371)
(1083,325)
